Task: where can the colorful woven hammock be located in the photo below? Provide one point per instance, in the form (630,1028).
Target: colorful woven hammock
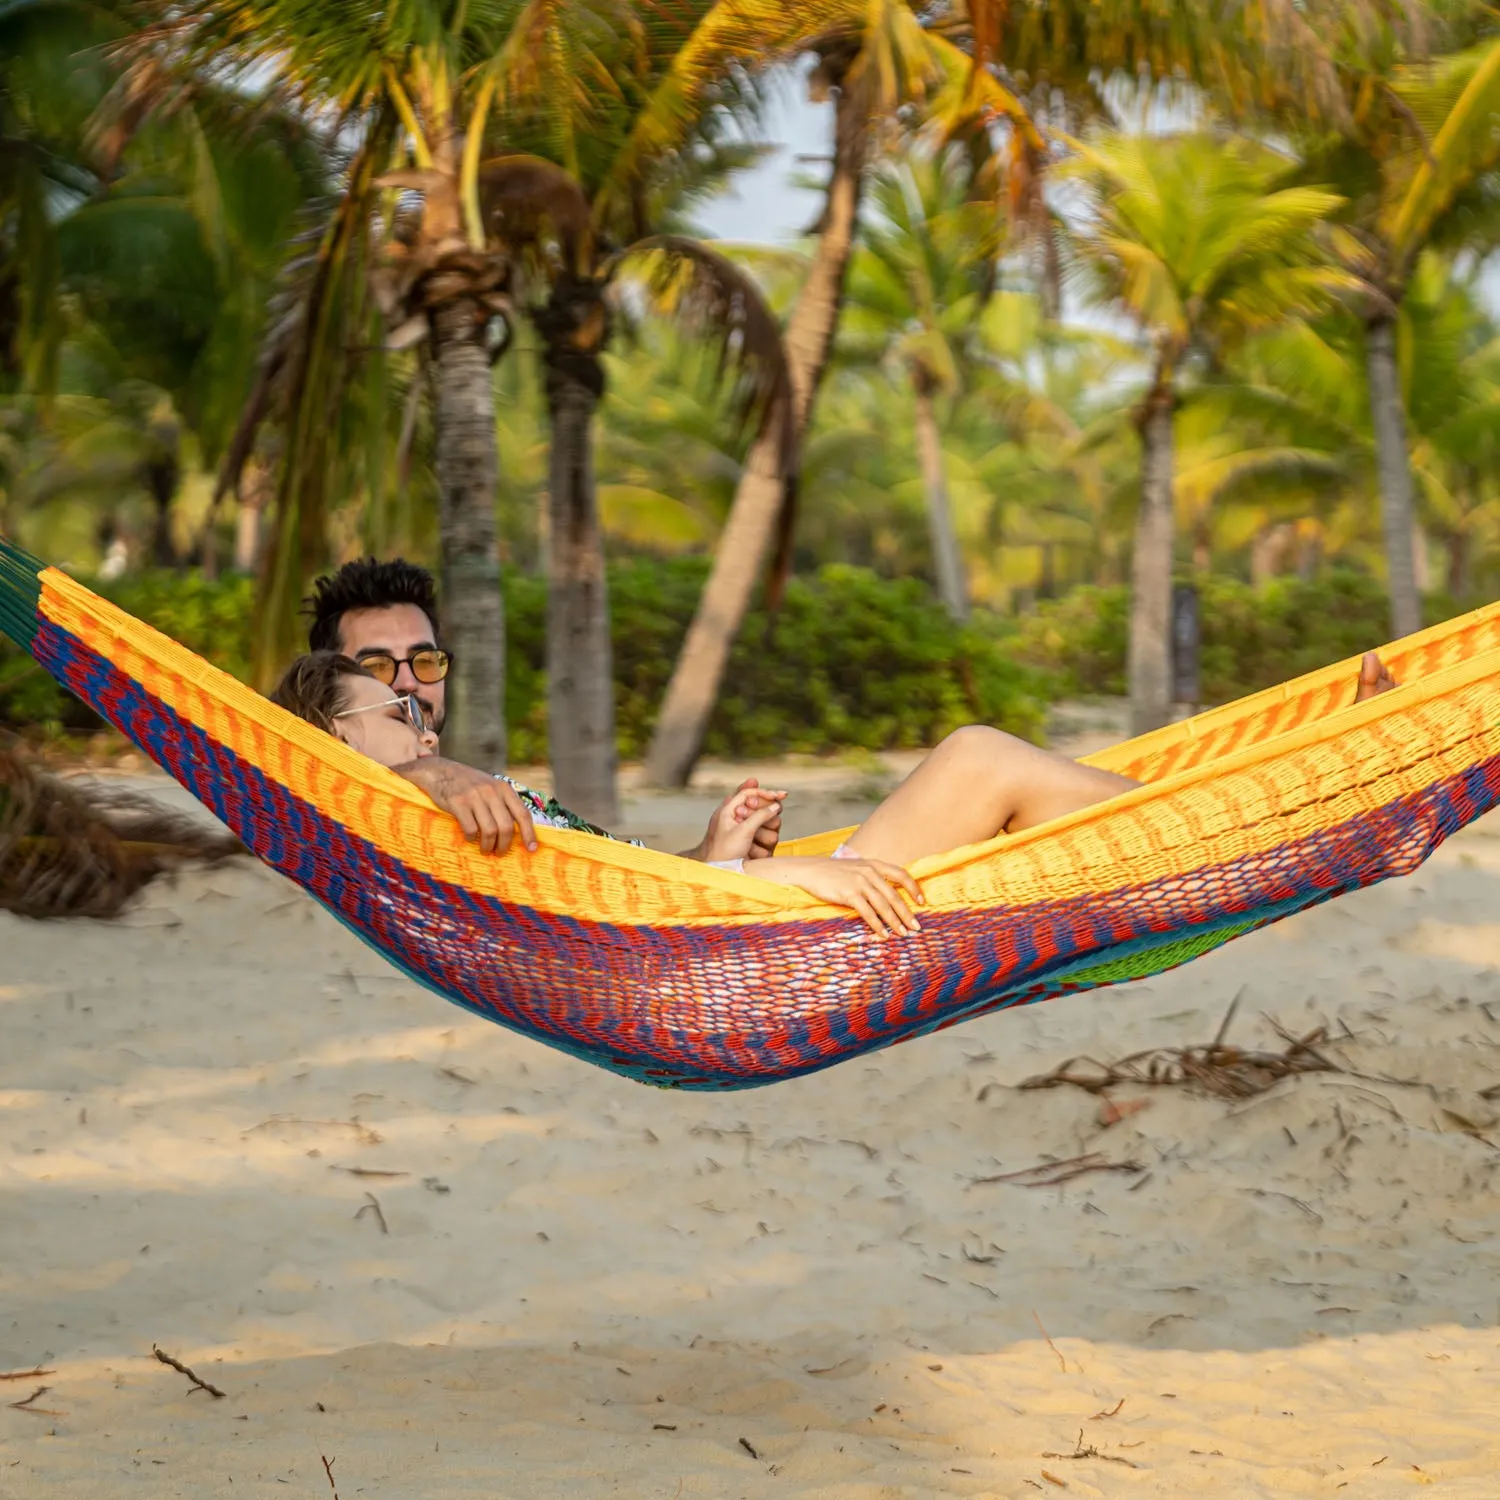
(683,976)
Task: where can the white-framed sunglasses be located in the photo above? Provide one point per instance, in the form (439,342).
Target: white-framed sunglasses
(408,706)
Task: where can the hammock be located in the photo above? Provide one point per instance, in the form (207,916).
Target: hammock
(684,976)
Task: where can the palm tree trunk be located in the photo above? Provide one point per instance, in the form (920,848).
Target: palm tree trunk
(947,562)
(1458,563)
(761,492)
(468,470)
(1150,653)
(580,661)
(254,491)
(1397,498)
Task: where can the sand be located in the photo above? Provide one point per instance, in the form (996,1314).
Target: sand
(453,1263)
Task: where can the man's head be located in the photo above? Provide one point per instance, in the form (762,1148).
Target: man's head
(384,616)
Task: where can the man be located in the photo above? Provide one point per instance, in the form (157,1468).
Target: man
(384,616)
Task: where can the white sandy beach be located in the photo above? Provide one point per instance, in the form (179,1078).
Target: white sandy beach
(453,1263)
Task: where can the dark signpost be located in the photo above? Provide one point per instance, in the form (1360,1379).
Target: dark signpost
(1186,645)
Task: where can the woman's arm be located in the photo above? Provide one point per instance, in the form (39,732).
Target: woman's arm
(866,885)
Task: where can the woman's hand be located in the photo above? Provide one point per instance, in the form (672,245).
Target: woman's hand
(746,825)
(863,884)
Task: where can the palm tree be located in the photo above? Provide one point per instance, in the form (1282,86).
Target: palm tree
(52,78)
(877,56)
(916,289)
(406,92)
(1295,435)
(871,58)
(1191,238)
(611,198)
(1408,134)
(131,281)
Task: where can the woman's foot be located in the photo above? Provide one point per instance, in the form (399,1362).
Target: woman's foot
(1373,678)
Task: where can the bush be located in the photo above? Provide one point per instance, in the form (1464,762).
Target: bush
(851,661)
(1252,638)
(212,619)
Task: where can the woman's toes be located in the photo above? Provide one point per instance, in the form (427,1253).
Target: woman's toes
(1373,677)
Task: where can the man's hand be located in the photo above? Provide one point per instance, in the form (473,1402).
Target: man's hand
(489,811)
(746,825)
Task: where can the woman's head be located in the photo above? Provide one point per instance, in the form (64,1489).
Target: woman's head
(339,696)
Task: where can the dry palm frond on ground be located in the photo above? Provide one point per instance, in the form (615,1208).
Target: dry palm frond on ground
(1216,1068)
(76,851)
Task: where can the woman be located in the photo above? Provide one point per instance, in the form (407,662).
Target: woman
(978,783)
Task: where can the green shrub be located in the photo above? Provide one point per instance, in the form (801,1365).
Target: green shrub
(1078,641)
(851,660)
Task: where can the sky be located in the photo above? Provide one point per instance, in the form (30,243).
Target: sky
(767,206)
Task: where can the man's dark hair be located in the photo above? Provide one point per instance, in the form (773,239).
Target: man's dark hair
(365,583)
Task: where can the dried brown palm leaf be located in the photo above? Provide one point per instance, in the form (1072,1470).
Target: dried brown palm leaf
(533,206)
(1215,1068)
(82,851)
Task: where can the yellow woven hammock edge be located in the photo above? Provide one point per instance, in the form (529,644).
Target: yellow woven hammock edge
(684,976)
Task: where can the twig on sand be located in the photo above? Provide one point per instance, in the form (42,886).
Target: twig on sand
(1054,1173)
(328,1470)
(1113,1411)
(1311,1212)
(1084,1450)
(182,1369)
(36,1411)
(372,1203)
(25,1374)
(363,1133)
(1053,1347)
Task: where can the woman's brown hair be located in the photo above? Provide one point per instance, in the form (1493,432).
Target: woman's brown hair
(313,687)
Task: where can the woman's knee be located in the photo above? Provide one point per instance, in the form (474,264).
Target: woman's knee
(975,744)
(977,757)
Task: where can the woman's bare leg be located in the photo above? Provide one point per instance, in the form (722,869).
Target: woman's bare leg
(979,782)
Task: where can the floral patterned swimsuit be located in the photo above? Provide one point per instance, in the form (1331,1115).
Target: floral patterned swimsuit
(548,812)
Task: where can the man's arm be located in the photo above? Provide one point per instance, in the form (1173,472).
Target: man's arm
(489,811)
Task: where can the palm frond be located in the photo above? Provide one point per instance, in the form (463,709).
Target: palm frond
(322,312)
(731,34)
(1466,143)
(68,850)
(717,300)
(653,520)
(1216,479)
